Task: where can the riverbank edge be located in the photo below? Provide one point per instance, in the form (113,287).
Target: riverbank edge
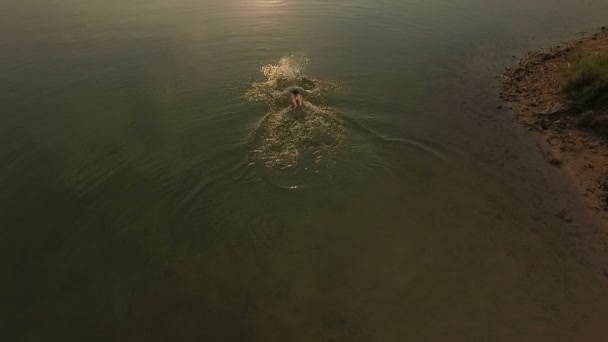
(532,90)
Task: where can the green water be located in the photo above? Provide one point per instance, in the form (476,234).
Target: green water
(157,187)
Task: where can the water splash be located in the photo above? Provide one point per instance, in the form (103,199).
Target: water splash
(285,141)
(293,143)
(288,72)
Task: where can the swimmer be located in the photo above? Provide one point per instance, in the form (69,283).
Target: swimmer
(297,99)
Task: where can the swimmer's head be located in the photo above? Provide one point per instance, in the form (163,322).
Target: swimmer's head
(295,92)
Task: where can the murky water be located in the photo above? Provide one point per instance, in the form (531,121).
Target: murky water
(157,185)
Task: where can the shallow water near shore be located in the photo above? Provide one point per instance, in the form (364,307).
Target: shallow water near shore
(157,186)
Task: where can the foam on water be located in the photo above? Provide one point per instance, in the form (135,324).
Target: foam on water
(287,72)
(290,143)
(292,149)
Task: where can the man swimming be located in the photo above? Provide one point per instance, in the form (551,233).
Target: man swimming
(297,99)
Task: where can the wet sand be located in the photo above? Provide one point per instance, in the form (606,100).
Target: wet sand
(532,90)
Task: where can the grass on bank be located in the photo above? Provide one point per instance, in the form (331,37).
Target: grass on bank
(587,81)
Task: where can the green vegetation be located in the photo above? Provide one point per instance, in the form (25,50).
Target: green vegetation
(587,81)
(595,120)
(586,119)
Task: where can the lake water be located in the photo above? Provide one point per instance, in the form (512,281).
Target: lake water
(157,187)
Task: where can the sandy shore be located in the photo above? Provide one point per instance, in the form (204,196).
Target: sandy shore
(532,90)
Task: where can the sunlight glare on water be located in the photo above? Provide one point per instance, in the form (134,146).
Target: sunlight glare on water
(158,186)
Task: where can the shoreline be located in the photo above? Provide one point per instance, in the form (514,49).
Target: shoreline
(532,90)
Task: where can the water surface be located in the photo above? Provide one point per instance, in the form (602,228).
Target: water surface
(157,186)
